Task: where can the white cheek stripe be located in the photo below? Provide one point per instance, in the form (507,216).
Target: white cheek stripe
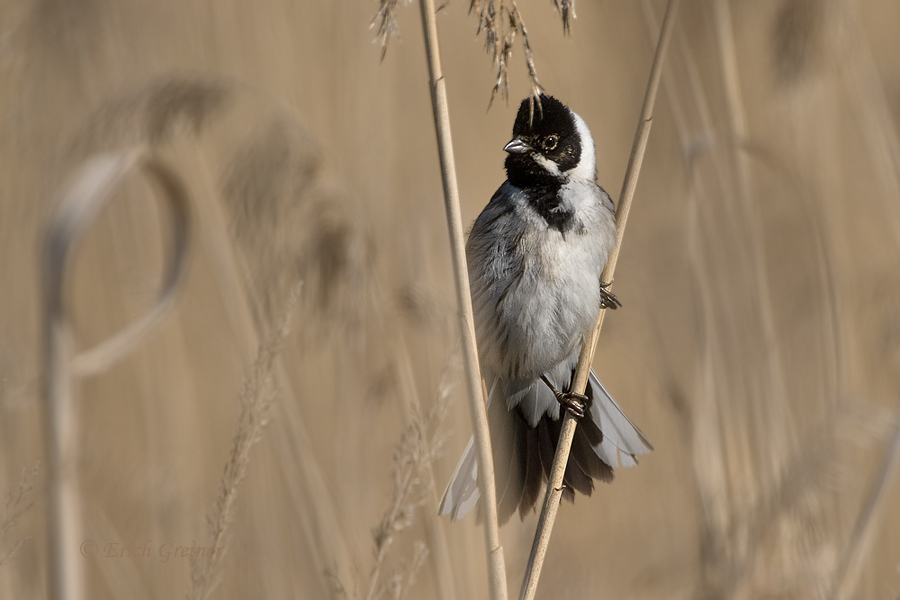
(587,166)
(550,166)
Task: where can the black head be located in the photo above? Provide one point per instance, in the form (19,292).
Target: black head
(546,143)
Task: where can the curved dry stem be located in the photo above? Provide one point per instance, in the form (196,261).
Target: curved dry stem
(85,198)
(555,484)
(105,354)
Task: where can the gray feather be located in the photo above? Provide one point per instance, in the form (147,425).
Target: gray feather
(462,492)
(619,432)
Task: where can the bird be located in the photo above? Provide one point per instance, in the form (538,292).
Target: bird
(535,256)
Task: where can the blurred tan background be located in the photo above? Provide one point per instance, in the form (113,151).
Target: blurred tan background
(758,346)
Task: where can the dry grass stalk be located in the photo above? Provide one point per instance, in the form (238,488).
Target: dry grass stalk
(253,309)
(778,534)
(554,485)
(17,504)
(742,455)
(796,496)
(90,191)
(860,76)
(435,536)
(872,106)
(748,212)
(481,432)
(401,581)
(256,398)
(785,523)
(419,446)
(849,571)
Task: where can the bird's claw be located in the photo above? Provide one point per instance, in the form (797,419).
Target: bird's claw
(607,298)
(572,402)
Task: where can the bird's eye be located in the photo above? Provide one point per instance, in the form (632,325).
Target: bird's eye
(550,142)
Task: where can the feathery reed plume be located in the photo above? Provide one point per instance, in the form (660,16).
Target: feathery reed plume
(500,21)
(17,504)
(387,23)
(256,398)
(554,489)
(291,225)
(155,113)
(566,10)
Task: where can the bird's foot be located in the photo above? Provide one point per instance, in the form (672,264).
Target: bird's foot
(574,403)
(607,298)
(571,401)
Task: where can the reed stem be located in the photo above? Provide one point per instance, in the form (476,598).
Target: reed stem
(496,562)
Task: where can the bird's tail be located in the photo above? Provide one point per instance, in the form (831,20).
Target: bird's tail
(523,454)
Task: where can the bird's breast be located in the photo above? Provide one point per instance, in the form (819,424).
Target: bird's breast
(535,293)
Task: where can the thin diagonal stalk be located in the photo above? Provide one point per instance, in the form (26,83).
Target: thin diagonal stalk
(849,569)
(496,563)
(554,485)
(323,531)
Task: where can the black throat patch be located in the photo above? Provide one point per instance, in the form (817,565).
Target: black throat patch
(546,202)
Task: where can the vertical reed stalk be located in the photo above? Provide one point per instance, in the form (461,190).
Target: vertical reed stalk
(496,563)
(555,484)
(777,420)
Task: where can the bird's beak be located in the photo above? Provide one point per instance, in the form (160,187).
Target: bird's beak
(517,146)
